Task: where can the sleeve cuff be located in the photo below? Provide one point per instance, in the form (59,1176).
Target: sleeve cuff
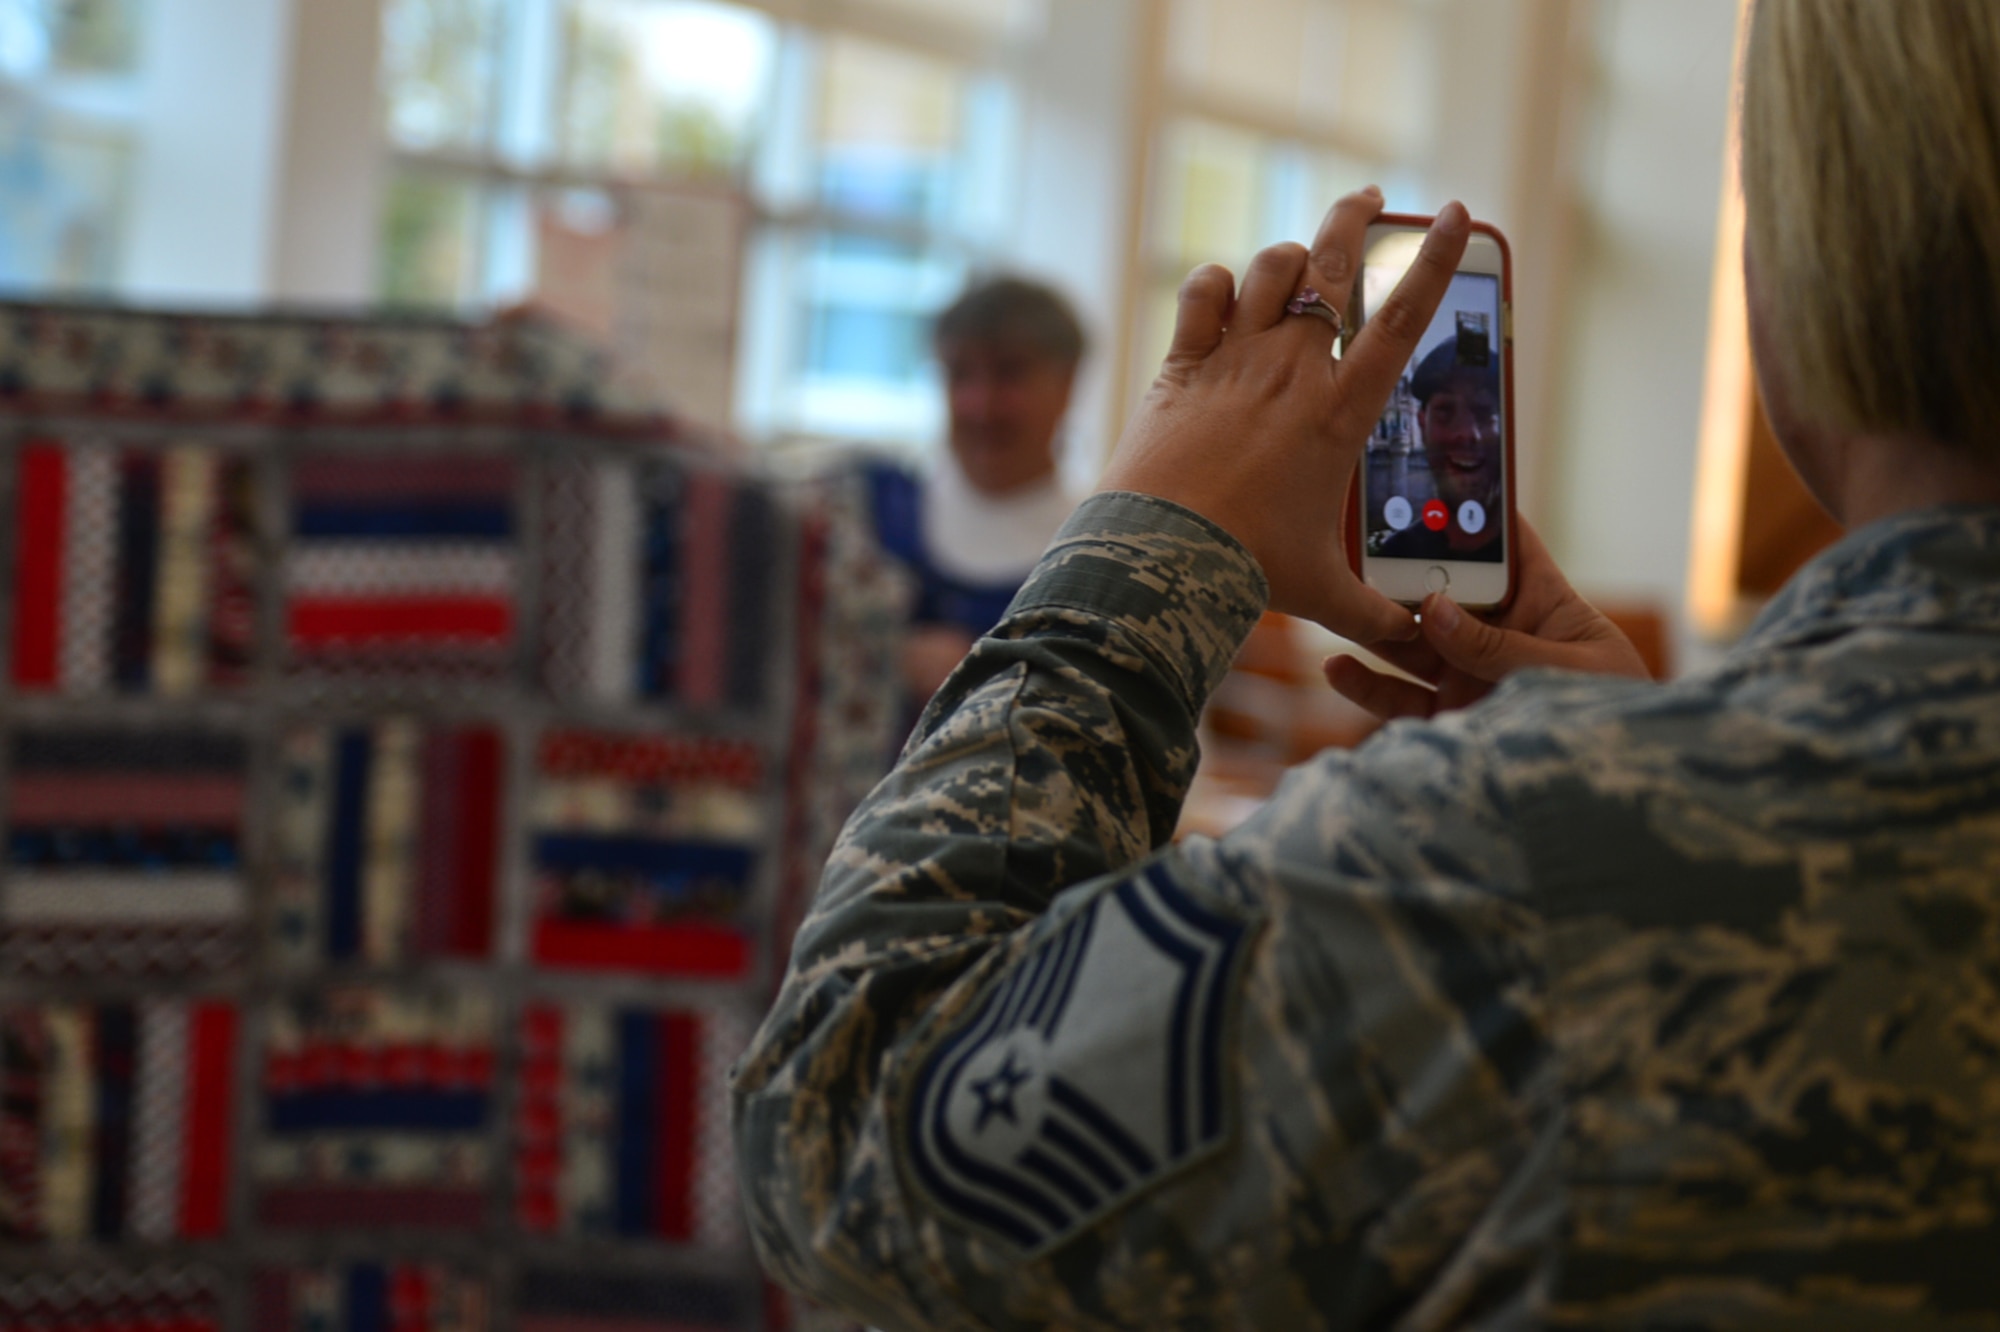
(1184,589)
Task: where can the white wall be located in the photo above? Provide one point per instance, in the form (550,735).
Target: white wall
(260,147)
(209,158)
(328,208)
(1078,88)
(1635,323)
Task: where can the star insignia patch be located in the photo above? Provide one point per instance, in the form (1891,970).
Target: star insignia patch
(1092,1071)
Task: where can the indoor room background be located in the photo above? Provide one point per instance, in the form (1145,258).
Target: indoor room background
(317,1099)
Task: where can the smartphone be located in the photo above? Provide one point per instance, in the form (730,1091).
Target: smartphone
(1434,507)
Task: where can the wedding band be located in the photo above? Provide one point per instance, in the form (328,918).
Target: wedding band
(1310,302)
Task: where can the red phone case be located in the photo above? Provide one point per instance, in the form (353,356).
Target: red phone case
(1354,486)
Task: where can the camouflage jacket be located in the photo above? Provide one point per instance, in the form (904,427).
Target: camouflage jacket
(1601,1004)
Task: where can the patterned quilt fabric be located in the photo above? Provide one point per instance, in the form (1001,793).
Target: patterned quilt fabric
(115,1120)
(402,562)
(388,842)
(133,569)
(376,1111)
(124,850)
(645,853)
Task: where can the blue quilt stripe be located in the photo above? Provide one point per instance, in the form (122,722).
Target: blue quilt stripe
(415,1111)
(346,834)
(142,850)
(137,555)
(660,599)
(566,852)
(414,519)
(367,1298)
(638,1118)
(116,1067)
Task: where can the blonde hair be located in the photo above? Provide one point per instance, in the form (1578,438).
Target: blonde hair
(1871,180)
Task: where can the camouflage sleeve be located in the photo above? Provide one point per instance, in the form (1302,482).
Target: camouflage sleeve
(1028,1070)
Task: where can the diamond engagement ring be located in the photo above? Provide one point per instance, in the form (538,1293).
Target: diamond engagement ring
(1310,302)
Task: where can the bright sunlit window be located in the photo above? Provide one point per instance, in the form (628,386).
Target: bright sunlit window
(875,177)
(68,75)
(1250,152)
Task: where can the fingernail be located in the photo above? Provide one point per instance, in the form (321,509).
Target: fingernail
(1375,190)
(1453,215)
(1443,612)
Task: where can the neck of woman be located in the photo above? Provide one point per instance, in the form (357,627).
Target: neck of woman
(1876,477)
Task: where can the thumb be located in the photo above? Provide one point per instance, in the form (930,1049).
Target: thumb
(1481,650)
(1343,603)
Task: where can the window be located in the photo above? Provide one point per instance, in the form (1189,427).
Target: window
(1247,152)
(874,173)
(68,104)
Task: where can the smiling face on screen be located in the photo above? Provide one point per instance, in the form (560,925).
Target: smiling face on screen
(1461,429)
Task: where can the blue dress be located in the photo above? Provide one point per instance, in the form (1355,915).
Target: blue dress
(897,497)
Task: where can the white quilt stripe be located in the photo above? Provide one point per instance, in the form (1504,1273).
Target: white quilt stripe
(112,898)
(389,568)
(90,552)
(612,669)
(158,1120)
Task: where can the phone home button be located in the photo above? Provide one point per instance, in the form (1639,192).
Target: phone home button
(1437,578)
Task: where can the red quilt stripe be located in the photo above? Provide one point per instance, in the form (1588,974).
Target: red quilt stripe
(338,1207)
(680,1078)
(402,476)
(651,760)
(205,1143)
(148,800)
(478,852)
(367,621)
(662,950)
(704,607)
(41,509)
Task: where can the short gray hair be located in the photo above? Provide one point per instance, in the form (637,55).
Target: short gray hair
(1014,311)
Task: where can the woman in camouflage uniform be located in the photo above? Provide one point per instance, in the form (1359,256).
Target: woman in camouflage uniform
(1598,1002)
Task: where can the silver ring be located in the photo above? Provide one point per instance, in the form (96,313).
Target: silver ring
(1310,302)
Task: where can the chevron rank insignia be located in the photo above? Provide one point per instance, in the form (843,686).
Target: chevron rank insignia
(1092,1071)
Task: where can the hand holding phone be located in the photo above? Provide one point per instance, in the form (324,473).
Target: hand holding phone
(1254,426)
(1436,485)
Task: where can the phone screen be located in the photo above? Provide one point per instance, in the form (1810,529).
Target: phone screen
(1435,467)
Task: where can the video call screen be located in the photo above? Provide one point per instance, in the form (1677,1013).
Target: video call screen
(1436,488)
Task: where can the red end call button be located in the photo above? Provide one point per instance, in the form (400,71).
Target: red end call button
(1436,515)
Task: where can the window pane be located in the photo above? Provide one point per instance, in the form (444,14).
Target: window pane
(668,88)
(1154,332)
(439,59)
(1281,57)
(990,20)
(1300,185)
(63,203)
(69,36)
(838,343)
(858,326)
(428,240)
(889,124)
(1361,67)
(1211,194)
